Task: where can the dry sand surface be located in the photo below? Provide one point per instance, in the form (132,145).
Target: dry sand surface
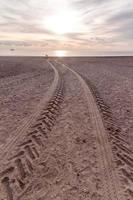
(23,82)
(79,146)
(113,79)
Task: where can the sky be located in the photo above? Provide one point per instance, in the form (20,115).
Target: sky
(66,27)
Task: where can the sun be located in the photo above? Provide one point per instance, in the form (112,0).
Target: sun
(61,23)
(60,53)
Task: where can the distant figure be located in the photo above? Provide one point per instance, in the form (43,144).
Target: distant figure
(46,56)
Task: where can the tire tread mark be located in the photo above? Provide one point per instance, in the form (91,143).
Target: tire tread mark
(106,162)
(115,134)
(20,168)
(8,189)
(28,152)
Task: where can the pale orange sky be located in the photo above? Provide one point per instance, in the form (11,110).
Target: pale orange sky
(86,27)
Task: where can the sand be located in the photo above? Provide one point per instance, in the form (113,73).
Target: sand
(23,82)
(80,145)
(113,78)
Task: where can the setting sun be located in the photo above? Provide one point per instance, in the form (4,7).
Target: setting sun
(60,53)
(66,99)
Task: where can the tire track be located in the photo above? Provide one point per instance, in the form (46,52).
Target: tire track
(123,155)
(21,162)
(111,184)
(28,122)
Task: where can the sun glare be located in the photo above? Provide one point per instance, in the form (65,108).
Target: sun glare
(61,23)
(60,53)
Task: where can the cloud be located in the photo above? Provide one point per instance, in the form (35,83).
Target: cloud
(122,16)
(101,23)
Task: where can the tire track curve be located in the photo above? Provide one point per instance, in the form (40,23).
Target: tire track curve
(27,122)
(20,163)
(123,155)
(108,168)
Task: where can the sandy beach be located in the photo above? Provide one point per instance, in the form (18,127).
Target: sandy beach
(79,144)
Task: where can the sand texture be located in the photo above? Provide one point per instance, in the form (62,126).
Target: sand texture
(70,134)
